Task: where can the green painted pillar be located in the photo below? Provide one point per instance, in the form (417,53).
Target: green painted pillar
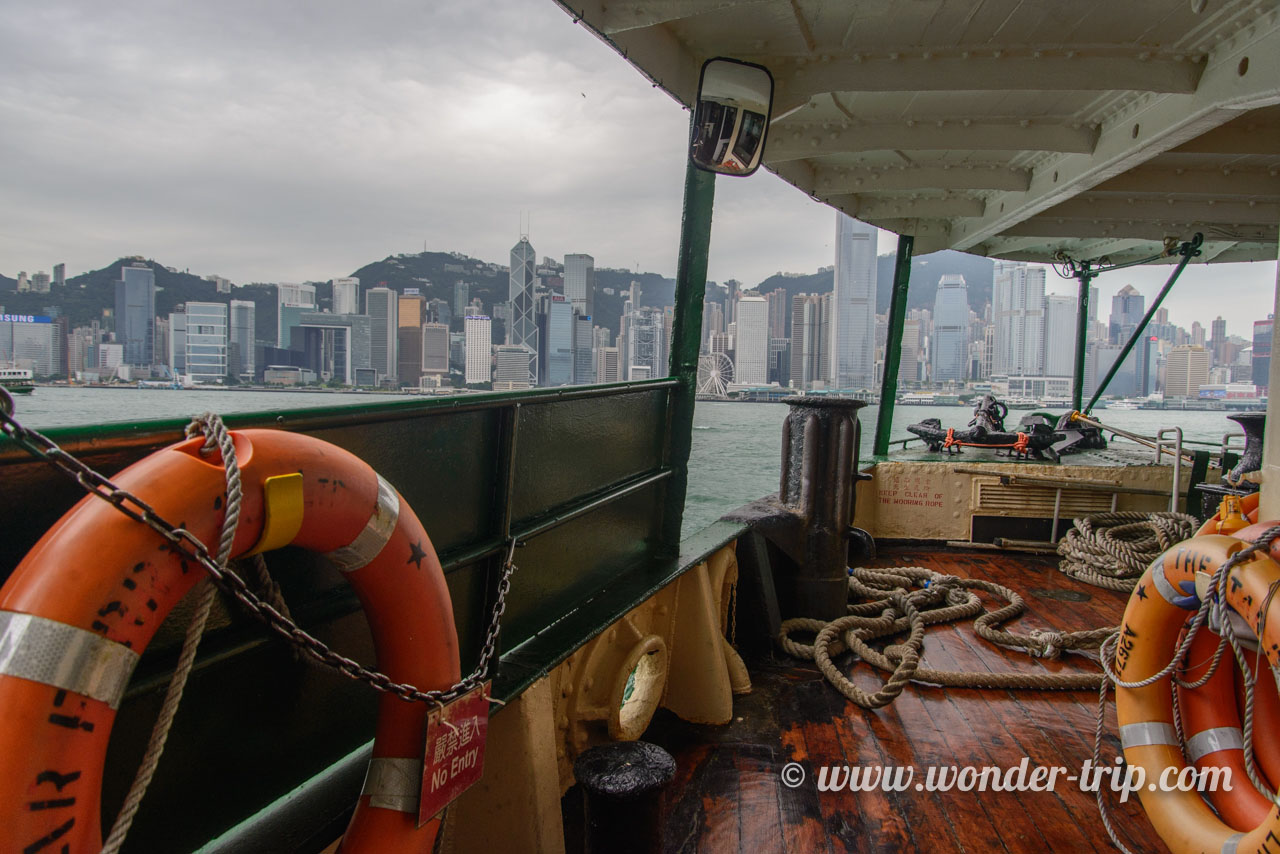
(686,338)
(893,345)
(1082,338)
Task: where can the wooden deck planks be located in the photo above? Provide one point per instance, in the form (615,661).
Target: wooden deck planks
(728,795)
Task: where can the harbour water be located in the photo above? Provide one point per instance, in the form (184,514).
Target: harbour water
(736,446)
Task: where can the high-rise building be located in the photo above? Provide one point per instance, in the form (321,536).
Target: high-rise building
(346,295)
(1197,334)
(136,314)
(1261,369)
(59,274)
(412,307)
(777,300)
(1017,308)
(950,343)
(751,363)
(809,340)
(206,342)
(381,305)
(712,320)
(28,341)
(510,368)
(1186,369)
(646,344)
(607,365)
(580,283)
(584,362)
(479,332)
(40,283)
(1059,336)
(522,331)
(909,367)
(461,296)
(177,343)
(162,341)
(853,305)
(292,301)
(1127,308)
(558,342)
(337,346)
(435,349)
(1219,346)
(241,339)
(408,355)
(411,315)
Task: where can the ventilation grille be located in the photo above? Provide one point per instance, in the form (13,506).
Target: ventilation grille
(996,497)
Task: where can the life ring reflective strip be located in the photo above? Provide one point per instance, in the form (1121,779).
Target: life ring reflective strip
(1212,732)
(1148,636)
(89,596)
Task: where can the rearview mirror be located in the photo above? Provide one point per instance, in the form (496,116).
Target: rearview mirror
(732,117)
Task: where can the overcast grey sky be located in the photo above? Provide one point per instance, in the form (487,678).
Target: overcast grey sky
(300,140)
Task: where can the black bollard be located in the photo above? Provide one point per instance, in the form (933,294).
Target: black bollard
(622,787)
(819,467)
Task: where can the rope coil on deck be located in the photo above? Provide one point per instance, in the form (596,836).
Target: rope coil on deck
(1112,550)
(907,599)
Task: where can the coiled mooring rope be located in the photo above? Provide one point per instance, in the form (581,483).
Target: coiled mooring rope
(891,601)
(1112,550)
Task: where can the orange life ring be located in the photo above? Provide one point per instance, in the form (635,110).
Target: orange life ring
(97,586)
(1148,636)
(1266,711)
(1212,734)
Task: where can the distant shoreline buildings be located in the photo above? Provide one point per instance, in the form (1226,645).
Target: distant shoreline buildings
(1020,343)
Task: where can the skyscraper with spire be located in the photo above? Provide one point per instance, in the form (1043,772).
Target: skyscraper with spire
(524,321)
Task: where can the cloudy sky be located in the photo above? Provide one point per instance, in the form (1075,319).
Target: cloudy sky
(297,141)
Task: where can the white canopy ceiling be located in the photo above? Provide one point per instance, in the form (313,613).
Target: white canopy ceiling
(1010,128)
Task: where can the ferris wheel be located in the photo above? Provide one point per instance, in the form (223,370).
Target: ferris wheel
(715,372)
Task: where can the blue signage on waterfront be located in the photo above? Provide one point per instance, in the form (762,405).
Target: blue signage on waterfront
(25,318)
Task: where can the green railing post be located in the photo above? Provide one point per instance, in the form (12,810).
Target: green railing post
(1082,336)
(893,345)
(686,339)
(1188,250)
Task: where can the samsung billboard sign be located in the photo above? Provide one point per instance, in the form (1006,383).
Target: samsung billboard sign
(25,318)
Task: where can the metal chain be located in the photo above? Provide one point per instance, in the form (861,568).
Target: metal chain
(232,585)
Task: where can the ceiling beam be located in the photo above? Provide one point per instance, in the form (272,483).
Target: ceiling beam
(930,234)
(870,207)
(1146,127)
(1165,210)
(834,180)
(623,16)
(999,71)
(1056,227)
(798,140)
(1238,138)
(1188,182)
(1001,246)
